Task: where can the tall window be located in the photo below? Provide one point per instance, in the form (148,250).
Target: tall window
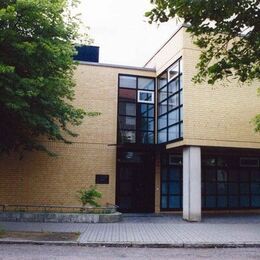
(170,119)
(136,109)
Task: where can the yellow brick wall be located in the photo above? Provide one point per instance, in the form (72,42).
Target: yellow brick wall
(39,179)
(217,115)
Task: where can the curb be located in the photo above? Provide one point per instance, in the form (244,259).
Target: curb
(133,245)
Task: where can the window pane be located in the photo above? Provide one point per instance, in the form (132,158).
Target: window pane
(255,188)
(222,188)
(174,188)
(147,137)
(145,96)
(222,175)
(127,82)
(127,95)
(147,124)
(210,188)
(128,136)
(244,201)
(173,102)
(128,109)
(181,127)
(164,174)
(244,175)
(126,122)
(146,110)
(173,71)
(162,94)
(173,132)
(164,188)
(162,122)
(162,108)
(174,174)
(164,202)
(244,188)
(222,202)
(255,175)
(233,188)
(174,202)
(162,136)
(173,87)
(211,202)
(173,117)
(162,80)
(233,201)
(181,98)
(255,201)
(145,83)
(233,175)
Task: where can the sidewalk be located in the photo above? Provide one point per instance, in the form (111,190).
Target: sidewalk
(158,231)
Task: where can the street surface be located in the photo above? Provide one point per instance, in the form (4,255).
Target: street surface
(35,252)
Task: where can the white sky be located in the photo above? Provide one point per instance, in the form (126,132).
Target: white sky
(122,32)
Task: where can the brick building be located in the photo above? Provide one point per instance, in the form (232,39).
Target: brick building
(161,143)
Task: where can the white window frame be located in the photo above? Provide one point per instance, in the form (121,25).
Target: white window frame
(176,64)
(139,100)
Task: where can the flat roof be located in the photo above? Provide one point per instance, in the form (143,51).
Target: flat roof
(115,66)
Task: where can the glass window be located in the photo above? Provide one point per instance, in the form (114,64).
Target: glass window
(173,117)
(147,124)
(173,71)
(127,95)
(162,136)
(127,82)
(147,137)
(173,102)
(256,201)
(181,129)
(222,202)
(173,87)
(173,132)
(128,136)
(162,80)
(174,202)
(164,202)
(162,108)
(145,96)
(128,109)
(145,83)
(162,122)
(162,94)
(127,122)
(211,202)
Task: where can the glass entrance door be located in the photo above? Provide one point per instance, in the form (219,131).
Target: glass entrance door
(135,182)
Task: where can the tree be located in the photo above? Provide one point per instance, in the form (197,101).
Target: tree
(227,31)
(36,69)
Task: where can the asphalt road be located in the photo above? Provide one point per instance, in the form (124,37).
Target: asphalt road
(22,252)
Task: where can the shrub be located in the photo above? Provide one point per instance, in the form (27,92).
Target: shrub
(89,196)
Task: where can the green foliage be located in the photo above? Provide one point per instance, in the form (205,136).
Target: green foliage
(217,27)
(36,69)
(89,196)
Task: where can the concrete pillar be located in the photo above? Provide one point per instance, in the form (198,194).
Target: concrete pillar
(192,183)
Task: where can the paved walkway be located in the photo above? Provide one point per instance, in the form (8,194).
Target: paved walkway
(163,230)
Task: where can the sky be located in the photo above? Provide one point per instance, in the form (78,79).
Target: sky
(122,32)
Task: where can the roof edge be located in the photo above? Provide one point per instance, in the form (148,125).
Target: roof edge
(114,66)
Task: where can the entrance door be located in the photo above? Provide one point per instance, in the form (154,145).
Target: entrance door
(135,182)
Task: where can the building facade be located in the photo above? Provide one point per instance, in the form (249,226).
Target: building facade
(161,143)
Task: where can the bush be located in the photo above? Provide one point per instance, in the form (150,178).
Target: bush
(89,196)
